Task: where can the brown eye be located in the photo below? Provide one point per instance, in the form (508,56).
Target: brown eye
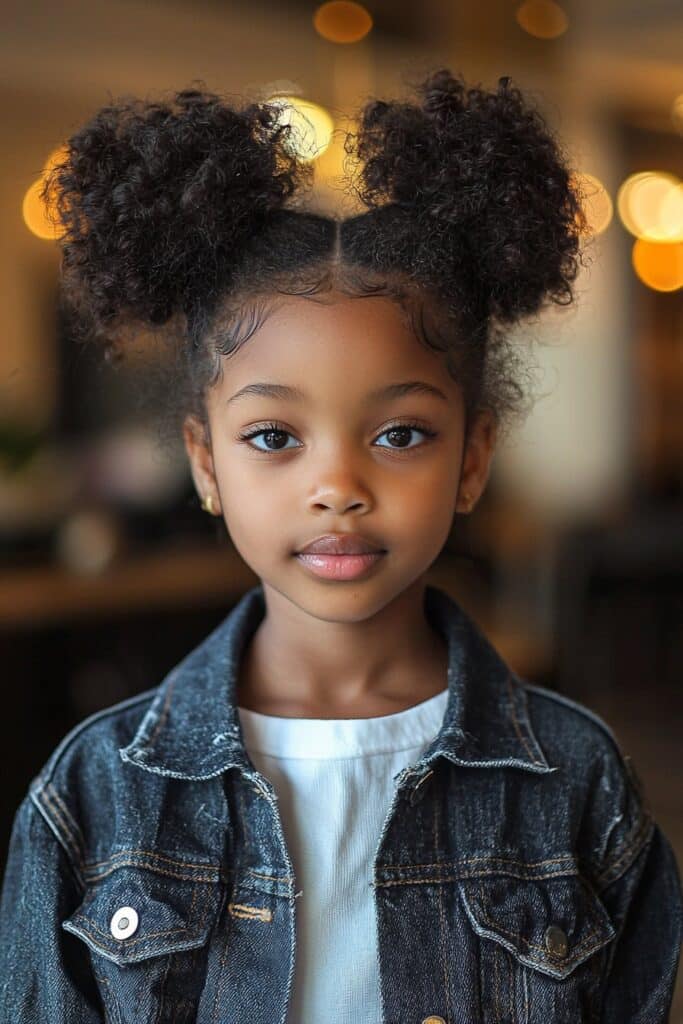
(272,433)
(400,433)
(400,436)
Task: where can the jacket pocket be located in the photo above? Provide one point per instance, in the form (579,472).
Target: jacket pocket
(543,949)
(147,935)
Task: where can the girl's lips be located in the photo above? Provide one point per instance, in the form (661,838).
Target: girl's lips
(340,567)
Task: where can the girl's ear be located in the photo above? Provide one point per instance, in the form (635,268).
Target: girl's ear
(477,458)
(198,447)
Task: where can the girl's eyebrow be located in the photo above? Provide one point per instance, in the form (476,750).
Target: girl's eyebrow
(283,391)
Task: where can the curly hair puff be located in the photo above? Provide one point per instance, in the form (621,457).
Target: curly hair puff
(187,216)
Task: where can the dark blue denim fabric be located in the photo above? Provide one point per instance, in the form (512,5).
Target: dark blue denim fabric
(519,875)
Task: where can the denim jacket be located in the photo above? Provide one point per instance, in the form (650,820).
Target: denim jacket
(518,878)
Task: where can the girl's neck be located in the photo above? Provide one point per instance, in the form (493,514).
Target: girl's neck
(294,667)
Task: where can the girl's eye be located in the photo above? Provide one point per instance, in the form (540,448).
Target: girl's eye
(399,432)
(270,430)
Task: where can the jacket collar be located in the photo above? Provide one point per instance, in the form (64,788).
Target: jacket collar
(191,730)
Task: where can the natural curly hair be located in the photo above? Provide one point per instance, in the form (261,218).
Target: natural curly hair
(186,217)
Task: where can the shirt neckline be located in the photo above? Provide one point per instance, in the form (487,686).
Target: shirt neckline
(333,738)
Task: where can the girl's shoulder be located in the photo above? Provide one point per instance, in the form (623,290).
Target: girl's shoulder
(576,735)
(578,714)
(80,784)
(97,734)
(598,779)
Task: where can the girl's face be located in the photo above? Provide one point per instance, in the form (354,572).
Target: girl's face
(337,456)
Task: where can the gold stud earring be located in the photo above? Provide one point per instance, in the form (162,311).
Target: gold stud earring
(207,504)
(467,498)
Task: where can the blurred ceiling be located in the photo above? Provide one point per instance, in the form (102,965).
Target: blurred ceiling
(409,21)
(625,54)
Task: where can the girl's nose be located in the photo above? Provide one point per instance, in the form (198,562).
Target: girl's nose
(339,503)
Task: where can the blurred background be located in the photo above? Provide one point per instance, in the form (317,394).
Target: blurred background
(109,570)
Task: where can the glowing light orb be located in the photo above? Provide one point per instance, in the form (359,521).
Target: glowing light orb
(342,22)
(650,205)
(312,126)
(596,202)
(659,265)
(38,217)
(542,18)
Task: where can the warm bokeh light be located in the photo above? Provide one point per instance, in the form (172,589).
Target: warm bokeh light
(596,202)
(342,22)
(35,215)
(677,112)
(659,265)
(650,205)
(542,18)
(33,208)
(671,214)
(55,157)
(312,125)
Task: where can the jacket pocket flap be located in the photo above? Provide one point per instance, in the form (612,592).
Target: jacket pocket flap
(169,914)
(551,924)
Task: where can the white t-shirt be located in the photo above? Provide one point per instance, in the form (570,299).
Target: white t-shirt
(334,783)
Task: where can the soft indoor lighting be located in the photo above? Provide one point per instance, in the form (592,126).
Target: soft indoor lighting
(342,22)
(659,265)
(677,112)
(595,201)
(33,208)
(650,205)
(542,18)
(312,125)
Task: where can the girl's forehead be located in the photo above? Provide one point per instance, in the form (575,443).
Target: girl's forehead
(334,333)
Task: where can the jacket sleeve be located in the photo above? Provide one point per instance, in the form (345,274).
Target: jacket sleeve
(646,902)
(45,972)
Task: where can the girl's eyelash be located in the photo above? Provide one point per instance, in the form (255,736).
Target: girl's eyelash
(278,428)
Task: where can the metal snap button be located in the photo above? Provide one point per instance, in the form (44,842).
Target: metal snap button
(124,922)
(555,941)
(433,1020)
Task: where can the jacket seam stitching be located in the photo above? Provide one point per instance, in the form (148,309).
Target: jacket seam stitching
(158,871)
(523,740)
(163,715)
(439,879)
(113,1002)
(56,831)
(564,858)
(622,861)
(75,832)
(91,866)
(53,814)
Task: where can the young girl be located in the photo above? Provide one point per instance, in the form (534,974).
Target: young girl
(342,805)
